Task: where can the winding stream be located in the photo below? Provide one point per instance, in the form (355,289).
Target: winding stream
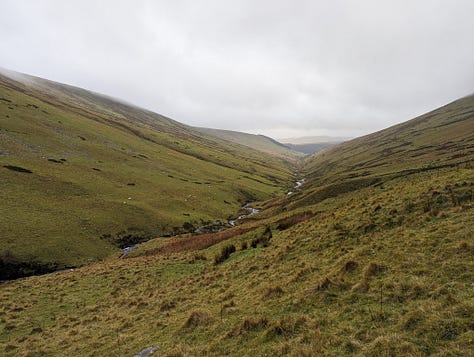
(251,211)
(298,184)
(127,250)
(232,222)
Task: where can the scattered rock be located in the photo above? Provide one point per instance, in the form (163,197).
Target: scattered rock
(146,352)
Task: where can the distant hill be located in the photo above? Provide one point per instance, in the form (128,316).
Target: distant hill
(313,139)
(309,149)
(258,142)
(311,144)
(83,174)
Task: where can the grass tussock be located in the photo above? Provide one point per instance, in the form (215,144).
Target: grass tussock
(225,253)
(198,318)
(262,239)
(273,291)
(392,345)
(249,325)
(323,285)
(287,327)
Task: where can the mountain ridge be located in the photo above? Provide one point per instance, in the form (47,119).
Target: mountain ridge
(255,141)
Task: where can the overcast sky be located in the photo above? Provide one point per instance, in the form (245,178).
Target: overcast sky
(281,68)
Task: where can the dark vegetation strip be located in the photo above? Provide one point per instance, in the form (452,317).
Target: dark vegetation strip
(198,242)
(408,172)
(288,222)
(6,83)
(465,116)
(11,268)
(336,189)
(18,169)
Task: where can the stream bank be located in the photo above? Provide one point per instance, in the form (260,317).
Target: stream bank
(232,222)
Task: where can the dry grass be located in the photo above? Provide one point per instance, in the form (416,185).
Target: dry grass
(258,303)
(197,318)
(197,242)
(288,222)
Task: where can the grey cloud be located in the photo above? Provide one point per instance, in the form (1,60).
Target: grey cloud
(282,68)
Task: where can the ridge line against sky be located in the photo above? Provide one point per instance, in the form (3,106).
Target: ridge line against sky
(279,68)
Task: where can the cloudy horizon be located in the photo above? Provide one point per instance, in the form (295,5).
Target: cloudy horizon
(279,68)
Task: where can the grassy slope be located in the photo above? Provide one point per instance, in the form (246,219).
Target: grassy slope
(257,142)
(314,290)
(372,270)
(440,137)
(119,174)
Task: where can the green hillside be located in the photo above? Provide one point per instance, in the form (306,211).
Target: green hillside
(258,142)
(83,174)
(442,137)
(371,256)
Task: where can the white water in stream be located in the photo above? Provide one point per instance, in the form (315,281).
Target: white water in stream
(251,211)
(127,250)
(298,184)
